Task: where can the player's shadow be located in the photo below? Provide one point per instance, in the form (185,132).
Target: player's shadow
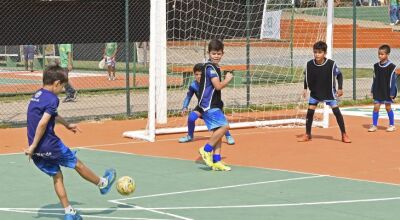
(59,214)
(367,126)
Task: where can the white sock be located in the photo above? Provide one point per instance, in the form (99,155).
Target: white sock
(70,210)
(103,182)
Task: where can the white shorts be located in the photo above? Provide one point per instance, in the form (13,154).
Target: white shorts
(110,61)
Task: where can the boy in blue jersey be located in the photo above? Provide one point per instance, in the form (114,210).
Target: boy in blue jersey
(196,113)
(47,150)
(210,102)
(384,88)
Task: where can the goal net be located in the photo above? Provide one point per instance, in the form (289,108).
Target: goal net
(267,43)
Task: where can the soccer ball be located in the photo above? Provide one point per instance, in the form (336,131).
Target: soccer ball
(125,185)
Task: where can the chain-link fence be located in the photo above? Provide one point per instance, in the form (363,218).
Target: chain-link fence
(35,33)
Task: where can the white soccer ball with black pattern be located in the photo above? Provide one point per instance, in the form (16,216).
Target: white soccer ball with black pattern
(125,185)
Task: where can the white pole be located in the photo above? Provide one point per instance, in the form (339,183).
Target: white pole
(329,42)
(152,71)
(160,41)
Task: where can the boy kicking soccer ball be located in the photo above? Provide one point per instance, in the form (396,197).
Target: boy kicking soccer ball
(211,104)
(196,113)
(319,78)
(47,150)
(384,88)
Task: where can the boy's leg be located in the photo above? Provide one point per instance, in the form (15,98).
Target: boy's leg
(217,159)
(216,121)
(109,71)
(375,117)
(309,120)
(193,116)
(59,188)
(391,117)
(229,138)
(87,174)
(58,181)
(340,121)
(104,183)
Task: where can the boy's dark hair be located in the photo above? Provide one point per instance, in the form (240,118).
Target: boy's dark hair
(54,73)
(198,67)
(215,45)
(320,45)
(386,48)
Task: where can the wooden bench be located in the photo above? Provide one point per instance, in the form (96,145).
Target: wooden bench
(9,59)
(187,71)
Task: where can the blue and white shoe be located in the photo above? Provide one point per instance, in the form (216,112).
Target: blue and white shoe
(75,216)
(230,140)
(110,175)
(185,139)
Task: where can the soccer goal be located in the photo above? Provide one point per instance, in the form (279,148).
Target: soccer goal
(267,43)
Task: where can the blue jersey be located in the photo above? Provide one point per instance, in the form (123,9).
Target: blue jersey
(210,97)
(44,101)
(193,90)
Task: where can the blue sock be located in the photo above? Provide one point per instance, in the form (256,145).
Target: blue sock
(227,133)
(375,116)
(391,117)
(216,158)
(208,148)
(192,123)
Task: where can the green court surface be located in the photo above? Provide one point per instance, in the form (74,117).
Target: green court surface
(180,189)
(11,81)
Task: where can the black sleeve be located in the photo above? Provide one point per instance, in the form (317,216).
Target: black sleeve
(305,81)
(340,81)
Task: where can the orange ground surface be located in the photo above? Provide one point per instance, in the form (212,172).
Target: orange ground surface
(371,156)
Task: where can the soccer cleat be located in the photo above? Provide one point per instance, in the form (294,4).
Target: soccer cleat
(391,128)
(373,128)
(68,99)
(230,140)
(304,138)
(206,156)
(345,139)
(185,139)
(219,166)
(75,216)
(110,175)
(75,96)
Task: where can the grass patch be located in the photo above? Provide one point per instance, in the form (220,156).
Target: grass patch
(379,14)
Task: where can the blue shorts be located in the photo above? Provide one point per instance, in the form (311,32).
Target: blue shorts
(331,103)
(52,166)
(214,118)
(383,102)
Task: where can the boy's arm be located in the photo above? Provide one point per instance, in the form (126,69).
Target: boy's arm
(373,83)
(339,78)
(218,85)
(304,95)
(393,86)
(72,127)
(40,130)
(188,97)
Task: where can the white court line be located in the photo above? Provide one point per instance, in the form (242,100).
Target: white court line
(86,216)
(152,210)
(217,188)
(37,210)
